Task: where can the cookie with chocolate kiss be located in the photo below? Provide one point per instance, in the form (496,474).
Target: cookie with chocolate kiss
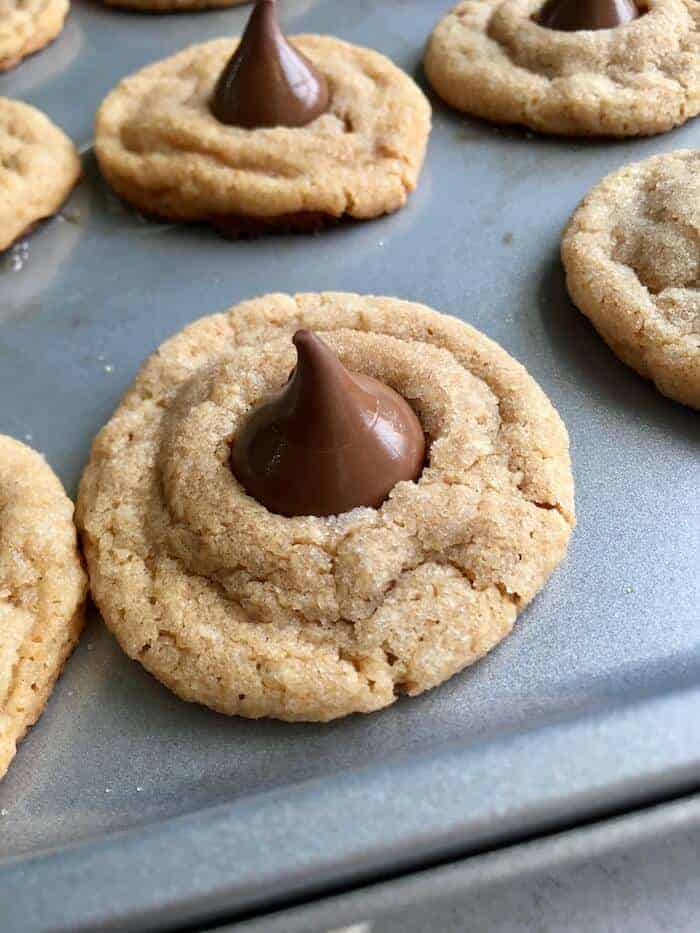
(570,67)
(335,566)
(266,134)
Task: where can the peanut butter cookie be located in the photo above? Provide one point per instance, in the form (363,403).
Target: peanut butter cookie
(39,166)
(491,58)
(27,26)
(42,589)
(161,148)
(632,257)
(311,618)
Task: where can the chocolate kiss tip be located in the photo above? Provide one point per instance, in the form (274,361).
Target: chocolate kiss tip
(576,15)
(330,441)
(268,82)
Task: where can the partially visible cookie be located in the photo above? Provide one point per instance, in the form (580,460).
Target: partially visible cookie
(27,26)
(632,257)
(311,618)
(172,6)
(160,147)
(42,589)
(39,166)
(491,59)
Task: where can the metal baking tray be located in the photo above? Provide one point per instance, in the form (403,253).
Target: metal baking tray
(126,807)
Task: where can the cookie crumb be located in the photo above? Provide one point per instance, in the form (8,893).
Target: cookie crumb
(507,238)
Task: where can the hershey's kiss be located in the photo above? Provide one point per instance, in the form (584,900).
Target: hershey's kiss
(575,15)
(268,82)
(329,441)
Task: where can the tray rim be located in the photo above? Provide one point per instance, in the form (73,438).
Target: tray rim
(571,847)
(185,870)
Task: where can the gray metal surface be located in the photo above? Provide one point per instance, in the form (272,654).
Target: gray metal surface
(639,873)
(591,703)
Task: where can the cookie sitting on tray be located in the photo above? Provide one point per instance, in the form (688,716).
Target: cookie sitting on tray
(571,67)
(632,258)
(208,507)
(265,133)
(27,26)
(39,167)
(42,589)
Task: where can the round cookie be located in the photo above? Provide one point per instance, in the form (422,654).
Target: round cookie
(27,26)
(173,6)
(489,58)
(312,618)
(161,149)
(42,589)
(632,258)
(39,167)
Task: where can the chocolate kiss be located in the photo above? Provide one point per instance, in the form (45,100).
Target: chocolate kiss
(267,82)
(329,441)
(575,15)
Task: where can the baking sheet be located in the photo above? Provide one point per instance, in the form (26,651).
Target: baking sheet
(590,702)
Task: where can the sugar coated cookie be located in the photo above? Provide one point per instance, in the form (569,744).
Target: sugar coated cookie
(494,59)
(42,589)
(632,260)
(311,618)
(39,166)
(27,26)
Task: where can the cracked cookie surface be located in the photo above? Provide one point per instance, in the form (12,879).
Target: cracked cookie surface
(39,166)
(313,618)
(42,589)
(160,147)
(489,58)
(27,26)
(632,257)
